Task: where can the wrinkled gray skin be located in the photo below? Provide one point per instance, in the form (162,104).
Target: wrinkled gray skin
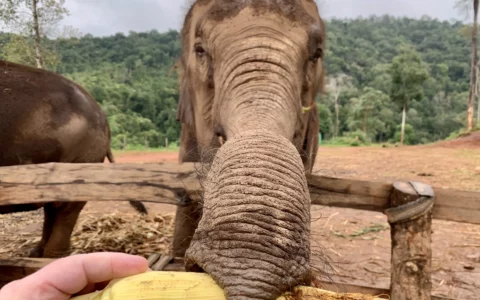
(249,68)
(46,118)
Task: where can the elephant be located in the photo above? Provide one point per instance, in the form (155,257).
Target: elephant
(45,118)
(249,75)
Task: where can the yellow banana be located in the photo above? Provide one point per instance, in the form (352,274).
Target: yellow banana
(161,285)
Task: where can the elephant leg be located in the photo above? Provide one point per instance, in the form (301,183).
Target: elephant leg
(9,209)
(186,222)
(61,221)
(49,212)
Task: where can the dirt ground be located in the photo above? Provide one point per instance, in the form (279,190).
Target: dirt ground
(357,243)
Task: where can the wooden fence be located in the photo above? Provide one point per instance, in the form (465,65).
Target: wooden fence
(408,206)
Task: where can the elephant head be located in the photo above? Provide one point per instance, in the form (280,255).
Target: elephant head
(250,71)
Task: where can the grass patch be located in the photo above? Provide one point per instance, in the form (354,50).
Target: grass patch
(361,232)
(130,149)
(462,133)
(334,145)
(352,139)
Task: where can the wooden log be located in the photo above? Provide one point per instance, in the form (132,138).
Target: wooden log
(162,182)
(171,182)
(458,206)
(16,268)
(348,193)
(411,249)
(450,205)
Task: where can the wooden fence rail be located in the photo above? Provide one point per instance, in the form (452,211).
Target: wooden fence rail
(409,207)
(170,182)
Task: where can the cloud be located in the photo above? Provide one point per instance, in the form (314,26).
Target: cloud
(441,9)
(107,17)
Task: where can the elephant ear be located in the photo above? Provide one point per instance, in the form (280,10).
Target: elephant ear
(186,116)
(310,144)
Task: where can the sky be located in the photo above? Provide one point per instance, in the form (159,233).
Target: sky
(107,17)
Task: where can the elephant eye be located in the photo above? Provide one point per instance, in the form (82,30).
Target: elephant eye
(199,50)
(318,54)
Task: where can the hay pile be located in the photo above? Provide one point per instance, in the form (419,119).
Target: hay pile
(128,233)
(311,293)
(17,232)
(119,232)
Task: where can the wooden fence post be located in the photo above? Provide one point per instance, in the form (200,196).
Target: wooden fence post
(411,225)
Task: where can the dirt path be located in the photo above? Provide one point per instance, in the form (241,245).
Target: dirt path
(357,243)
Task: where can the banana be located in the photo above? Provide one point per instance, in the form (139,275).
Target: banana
(161,285)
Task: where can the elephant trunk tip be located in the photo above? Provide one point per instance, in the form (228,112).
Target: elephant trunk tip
(192,266)
(321,265)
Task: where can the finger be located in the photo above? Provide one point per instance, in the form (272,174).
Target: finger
(70,275)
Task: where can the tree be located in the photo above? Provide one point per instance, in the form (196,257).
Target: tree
(365,112)
(21,49)
(477,92)
(131,73)
(466,6)
(409,73)
(336,94)
(325,118)
(381,78)
(336,84)
(473,75)
(409,135)
(33,18)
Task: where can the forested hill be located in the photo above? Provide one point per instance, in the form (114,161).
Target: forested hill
(132,77)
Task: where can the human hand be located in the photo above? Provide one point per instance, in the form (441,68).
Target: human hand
(74,275)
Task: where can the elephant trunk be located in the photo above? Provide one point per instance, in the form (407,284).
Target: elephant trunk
(253,238)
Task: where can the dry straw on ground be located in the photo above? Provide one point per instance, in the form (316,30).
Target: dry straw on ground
(128,233)
(119,232)
(319,294)
(14,239)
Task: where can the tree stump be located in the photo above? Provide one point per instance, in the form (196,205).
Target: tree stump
(411,225)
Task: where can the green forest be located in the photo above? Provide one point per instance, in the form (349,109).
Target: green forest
(132,76)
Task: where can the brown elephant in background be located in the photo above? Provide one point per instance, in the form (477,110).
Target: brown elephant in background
(250,72)
(44,118)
